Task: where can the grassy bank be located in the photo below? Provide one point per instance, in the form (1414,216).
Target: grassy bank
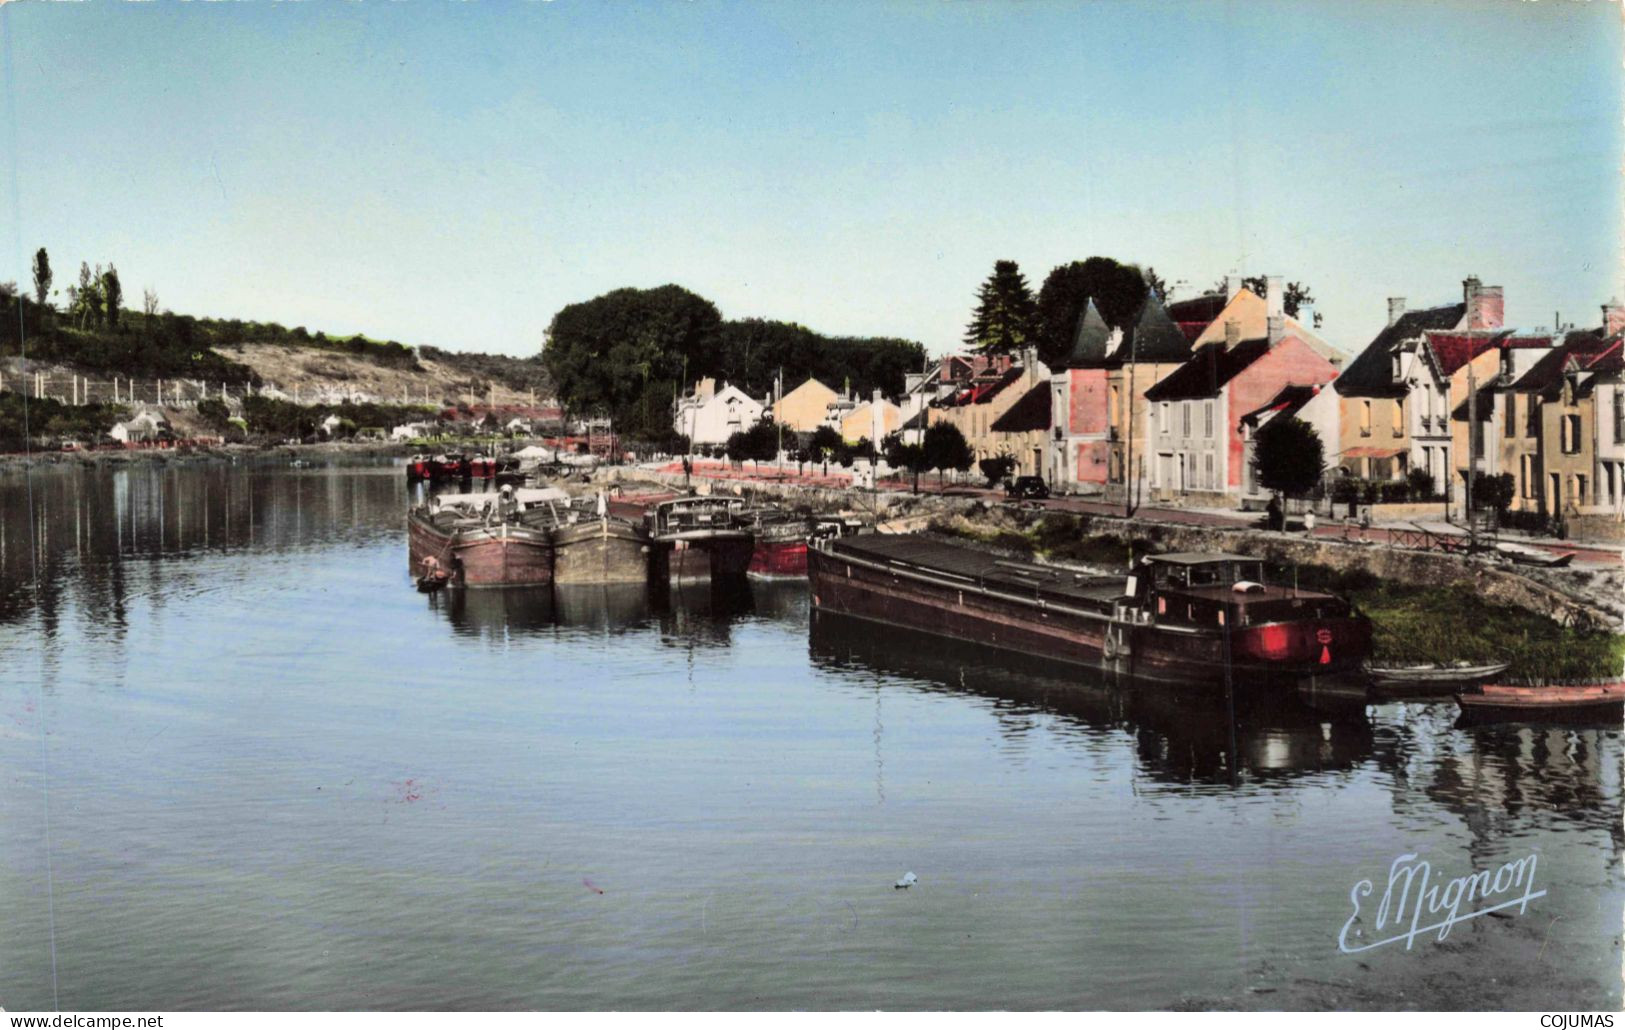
(1411,623)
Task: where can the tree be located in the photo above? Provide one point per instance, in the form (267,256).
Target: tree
(910,456)
(1288,457)
(825,444)
(1494,491)
(1117,290)
(42,276)
(149,303)
(1006,319)
(1293,297)
(113,292)
(945,448)
(214,413)
(997,468)
(759,442)
(604,354)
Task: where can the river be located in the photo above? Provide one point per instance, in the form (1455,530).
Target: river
(245,765)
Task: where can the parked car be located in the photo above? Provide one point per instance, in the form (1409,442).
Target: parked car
(1024,488)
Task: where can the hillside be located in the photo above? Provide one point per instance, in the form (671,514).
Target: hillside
(445,378)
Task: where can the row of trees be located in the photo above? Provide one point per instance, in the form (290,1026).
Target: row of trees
(630,352)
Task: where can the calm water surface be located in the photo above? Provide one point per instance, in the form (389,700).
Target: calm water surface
(277,777)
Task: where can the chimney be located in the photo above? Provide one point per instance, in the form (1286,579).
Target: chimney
(1484,304)
(877,423)
(1232,333)
(1396,309)
(1277,328)
(1232,286)
(1306,316)
(1613,317)
(1274,296)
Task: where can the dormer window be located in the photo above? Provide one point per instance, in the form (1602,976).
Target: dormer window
(1399,367)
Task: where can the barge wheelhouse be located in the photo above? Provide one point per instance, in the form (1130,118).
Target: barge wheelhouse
(1181,617)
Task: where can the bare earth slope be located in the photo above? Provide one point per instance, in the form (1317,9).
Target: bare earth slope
(310,373)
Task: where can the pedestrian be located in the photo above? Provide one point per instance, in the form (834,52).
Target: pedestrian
(1275,518)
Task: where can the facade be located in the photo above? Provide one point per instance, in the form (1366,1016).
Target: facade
(1246,316)
(803,408)
(1609,401)
(1151,350)
(1022,431)
(873,420)
(144,426)
(973,411)
(1080,450)
(711,414)
(1196,443)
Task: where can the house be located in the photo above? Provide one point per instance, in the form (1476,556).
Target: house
(413,431)
(1609,394)
(1022,432)
(1079,448)
(1315,405)
(1251,313)
(1194,435)
(975,409)
(803,409)
(1555,414)
(145,426)
(711,414)
(873,420)
(1395,396)
(1152,348)
(328,425)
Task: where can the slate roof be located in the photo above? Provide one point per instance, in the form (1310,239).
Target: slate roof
(917,420)
(983,390)
(1154,337)
(1208,370)
(1287,403)
(1371,374)
(1547,374)
(1089,342)
(1031,412)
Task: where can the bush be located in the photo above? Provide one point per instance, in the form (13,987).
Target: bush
(996,469)
(1421,484)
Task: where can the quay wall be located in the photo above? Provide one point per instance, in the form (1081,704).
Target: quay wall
(1554,595)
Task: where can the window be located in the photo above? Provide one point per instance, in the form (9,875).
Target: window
(1185,412)
(1165,423)
(1509,423)
(1526,469)
(1117,406)
(1531,417)
(1399,417)
(1207,467)
(1207,416)
(1619,414)
(1365,418)
(1580,497)
(1571,434)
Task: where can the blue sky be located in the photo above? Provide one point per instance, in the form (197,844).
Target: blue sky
(454,173)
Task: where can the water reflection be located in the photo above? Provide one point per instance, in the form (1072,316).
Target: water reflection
(1180,736)
(90,536)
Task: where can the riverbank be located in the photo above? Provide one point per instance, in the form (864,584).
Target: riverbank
(202,452)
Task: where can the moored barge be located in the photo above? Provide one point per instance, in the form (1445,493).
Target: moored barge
(1178,617)
(699,538)
(486,540)
(781,540)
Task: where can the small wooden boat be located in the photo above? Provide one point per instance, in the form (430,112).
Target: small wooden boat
(1562,702)
(429,582)
(1429,678)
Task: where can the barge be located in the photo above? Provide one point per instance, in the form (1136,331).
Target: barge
(486,540)
(1179,617)
(698,538)
(781,540)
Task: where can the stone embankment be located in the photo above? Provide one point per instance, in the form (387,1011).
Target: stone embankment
(1582,598)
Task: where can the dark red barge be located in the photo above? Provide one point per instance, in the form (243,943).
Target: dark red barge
(1179,617)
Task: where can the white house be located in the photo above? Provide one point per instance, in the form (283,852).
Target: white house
(143,427)
(1314,404)
(711,414)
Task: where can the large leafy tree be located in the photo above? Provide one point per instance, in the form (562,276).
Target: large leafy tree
(604,354)
(1117,290)
(755,351)
(1288,456)
(1006,318)
(825,444)
(945,448)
